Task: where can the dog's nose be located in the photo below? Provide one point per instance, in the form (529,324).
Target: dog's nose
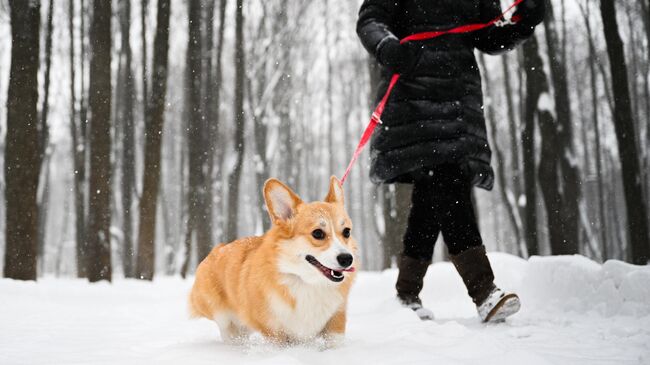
(344,259)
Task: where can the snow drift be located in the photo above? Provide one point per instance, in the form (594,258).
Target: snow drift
(575,311)
(581,285)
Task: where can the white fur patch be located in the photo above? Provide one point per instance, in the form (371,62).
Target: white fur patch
(334,340)
(315,306)
(328,257)
(231,329)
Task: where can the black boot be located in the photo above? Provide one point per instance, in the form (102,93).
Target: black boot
(491,302)
(476,271)
(409,284)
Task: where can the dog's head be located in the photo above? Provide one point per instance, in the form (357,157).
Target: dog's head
(314,239)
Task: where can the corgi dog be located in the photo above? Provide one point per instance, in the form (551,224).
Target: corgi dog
(290,284)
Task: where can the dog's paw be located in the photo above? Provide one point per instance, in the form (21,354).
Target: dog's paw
(333,340)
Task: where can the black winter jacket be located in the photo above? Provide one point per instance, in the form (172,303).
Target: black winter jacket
(435,113)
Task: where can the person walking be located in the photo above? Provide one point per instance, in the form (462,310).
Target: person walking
(433,132)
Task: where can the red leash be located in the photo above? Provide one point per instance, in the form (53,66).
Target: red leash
(375,119)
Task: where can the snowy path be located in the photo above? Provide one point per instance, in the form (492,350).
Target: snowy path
(574,312)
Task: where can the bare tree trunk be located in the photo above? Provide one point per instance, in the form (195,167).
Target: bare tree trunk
(21,158)
(396,206)
(214,100)
(84,148)
(587,236)
(566,241)
(513,128)
(634,67)
(618,242)
(635,98)
(330,106)
(186,190)
(153,139)
(83,99)
(608,92)
(204,224)
(125,115)
(170,239)
(563,40)
(99,212)
(646,94)
(637,215)
(217,155)
(210,92)
(235,176)
(44,131)
(78,156)
(594,116)
(260,130)
(535,83)
(143,39)
(646,167)
(43,199)
(548,172)
(199,196)
(510,203)
(187,244)
(582,118)
(281,100)
(639,101)
(645,17)
(58,260)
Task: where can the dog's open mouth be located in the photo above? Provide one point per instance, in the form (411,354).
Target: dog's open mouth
(334,275)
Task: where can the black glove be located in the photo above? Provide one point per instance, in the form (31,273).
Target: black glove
(530,12)
(397,57)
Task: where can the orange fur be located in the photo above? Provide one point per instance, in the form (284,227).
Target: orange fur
(259,283)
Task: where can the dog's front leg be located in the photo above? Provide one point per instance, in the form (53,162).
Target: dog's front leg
(334,331)
(277,338)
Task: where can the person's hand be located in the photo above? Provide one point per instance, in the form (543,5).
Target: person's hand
(530,12)
(397,57)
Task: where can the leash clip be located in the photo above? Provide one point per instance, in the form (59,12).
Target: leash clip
(504,22)
(376,118)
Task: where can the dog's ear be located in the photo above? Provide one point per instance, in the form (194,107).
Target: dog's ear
(280,200)
(335,194)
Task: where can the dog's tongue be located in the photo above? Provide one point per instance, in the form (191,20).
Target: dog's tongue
(349,269)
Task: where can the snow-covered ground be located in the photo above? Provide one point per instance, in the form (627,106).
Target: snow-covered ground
(574,312)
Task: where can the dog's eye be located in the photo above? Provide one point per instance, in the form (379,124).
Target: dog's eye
(318,234)
(346,232)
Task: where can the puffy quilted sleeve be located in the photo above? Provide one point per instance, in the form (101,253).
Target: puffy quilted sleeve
(375,22)
(499,39)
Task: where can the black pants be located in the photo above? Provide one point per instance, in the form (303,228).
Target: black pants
(441,202)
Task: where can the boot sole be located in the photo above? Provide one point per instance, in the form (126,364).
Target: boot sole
(507,306)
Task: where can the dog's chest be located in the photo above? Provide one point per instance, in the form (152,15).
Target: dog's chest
(314,306)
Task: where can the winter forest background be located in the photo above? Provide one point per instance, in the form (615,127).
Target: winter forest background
(137,134)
